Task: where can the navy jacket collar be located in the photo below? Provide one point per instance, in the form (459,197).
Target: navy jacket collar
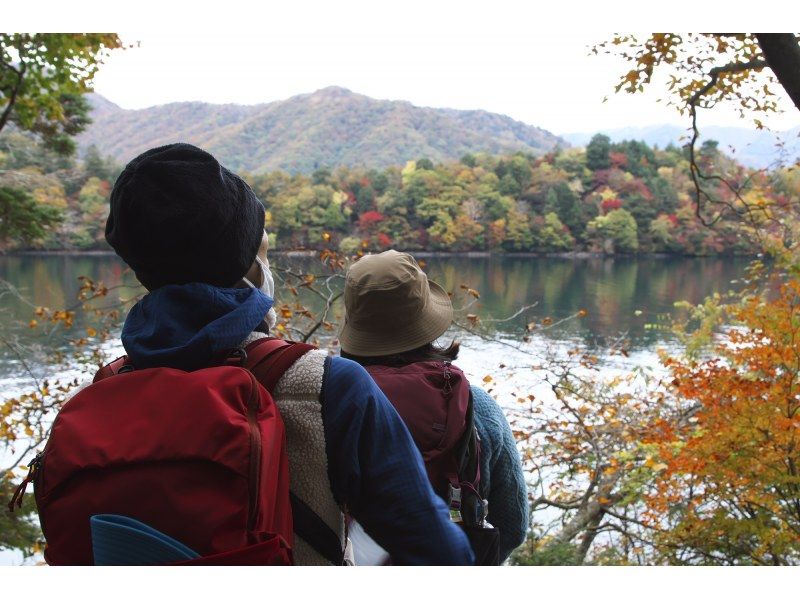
(189,326)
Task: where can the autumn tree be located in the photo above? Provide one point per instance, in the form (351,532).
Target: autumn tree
(42,79)
(614,232)
(588,464)
(730,490)
(708,473)
(706,70)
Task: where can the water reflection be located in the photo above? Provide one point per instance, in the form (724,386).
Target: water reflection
(612,290)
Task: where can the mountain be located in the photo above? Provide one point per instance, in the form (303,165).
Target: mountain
(100,106)
(328,128)
(751,147)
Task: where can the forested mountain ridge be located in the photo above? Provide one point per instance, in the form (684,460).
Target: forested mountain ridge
(608,198)
(329,128)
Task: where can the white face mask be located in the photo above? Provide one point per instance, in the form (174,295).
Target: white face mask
(268,288)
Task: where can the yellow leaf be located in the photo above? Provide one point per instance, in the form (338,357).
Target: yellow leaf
(486,379)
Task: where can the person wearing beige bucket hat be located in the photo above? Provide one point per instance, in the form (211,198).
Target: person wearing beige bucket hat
(391,306)
(394,315)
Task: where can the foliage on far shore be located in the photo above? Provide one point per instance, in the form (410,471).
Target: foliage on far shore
(613,198)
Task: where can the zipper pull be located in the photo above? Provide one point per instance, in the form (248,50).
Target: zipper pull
(448,387)
(19,493)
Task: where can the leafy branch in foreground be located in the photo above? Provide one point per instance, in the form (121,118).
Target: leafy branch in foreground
(42,79)
(706,70)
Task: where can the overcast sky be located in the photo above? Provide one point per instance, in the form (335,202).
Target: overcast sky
(528,60)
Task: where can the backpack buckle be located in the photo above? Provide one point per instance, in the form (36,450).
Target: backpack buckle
(454,503)
(237,355)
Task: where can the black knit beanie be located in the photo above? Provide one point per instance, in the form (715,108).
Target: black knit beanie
(177,216)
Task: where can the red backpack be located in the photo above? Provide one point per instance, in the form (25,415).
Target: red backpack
(434,400)
(200,456)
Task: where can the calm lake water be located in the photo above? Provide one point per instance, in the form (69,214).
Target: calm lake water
(628,296)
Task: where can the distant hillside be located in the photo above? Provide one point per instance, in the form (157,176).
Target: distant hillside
(751,147)
(328,128)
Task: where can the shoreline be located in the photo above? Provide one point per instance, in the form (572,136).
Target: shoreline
(575,255)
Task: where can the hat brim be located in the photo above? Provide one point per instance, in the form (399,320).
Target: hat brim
(432,322)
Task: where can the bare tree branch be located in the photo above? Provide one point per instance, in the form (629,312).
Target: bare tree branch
(694,168)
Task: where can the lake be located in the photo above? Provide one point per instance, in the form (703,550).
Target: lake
(621,295)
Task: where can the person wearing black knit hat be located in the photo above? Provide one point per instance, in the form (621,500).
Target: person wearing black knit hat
(177,216)
(193,233)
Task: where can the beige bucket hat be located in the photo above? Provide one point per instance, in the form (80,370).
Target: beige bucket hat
(391,306)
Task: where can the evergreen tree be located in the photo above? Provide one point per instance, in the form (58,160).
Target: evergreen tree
(562,201)
(469,160)
(94,165)
(24,219)
(321,176)
(597,152)
(424,164)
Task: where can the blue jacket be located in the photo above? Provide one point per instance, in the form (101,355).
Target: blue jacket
(373,464)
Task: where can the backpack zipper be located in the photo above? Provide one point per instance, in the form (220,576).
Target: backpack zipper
(448,386)
(255,452)
(33,471)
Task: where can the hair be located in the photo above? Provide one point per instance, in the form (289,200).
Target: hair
(427,352)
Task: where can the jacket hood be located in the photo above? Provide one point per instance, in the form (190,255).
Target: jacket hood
(189,326)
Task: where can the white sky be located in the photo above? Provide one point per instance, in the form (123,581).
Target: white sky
(516,58)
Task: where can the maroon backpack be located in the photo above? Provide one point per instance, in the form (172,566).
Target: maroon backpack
(200,456)
(434,400)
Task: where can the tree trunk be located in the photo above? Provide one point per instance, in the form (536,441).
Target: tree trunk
(782,53)
(589,535)
(13,98)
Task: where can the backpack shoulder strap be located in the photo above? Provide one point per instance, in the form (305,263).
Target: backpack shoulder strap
(468,449)
(317,534)
(269,359)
